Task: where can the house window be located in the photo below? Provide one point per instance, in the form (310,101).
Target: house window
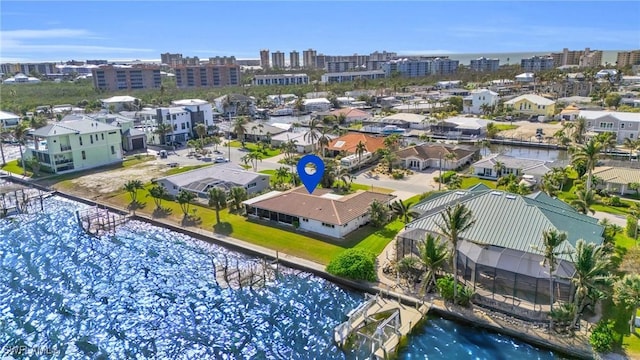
(252,185)
(175,127)
(168,117)
(113,150)
(102,136)
(91,138)
(174,116)
(80,140)
(328,225)
(622,126)
(305,219)
(183,126)
(84,155)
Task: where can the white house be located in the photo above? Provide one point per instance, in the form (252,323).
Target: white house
(224,176)
(119,103)
(21,79)
(180,121)
(623,124)
(281,99)
(439,156)
(321,212)
(319,104)
(478,98)
(525,77)
(201,111)
(302,142)
(8,120)
(486,168)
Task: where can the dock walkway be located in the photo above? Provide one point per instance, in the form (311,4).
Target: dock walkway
(392,319)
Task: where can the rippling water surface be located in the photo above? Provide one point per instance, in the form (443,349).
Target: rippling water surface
(152,293)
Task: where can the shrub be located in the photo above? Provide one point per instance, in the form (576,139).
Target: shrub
(615,201)
(445,289)
(397,175)
(355,264)
(632,223)
(602,336)
(444,178)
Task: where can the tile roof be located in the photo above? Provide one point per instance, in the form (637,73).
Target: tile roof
(322,207)
(513,163)
(228,172)
(434,151)
(349,141)
(350,112)
(617,175)
(510,221)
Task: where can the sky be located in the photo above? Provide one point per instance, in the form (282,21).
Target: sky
(114,30)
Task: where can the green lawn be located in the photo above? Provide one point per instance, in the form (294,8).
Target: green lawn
(624,340)
(468,182)
(623,241)
(281,238)
(255,147)
(504,127)
(15,168)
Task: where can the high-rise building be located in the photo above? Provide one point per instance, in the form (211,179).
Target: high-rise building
(294,60)
(420,67)
(537,63)
(171,59)
(264,58)
(277,60)
(309,58)
(321,61)
(628,58)
(222,60)
(577,57)
(191,61)
(126,77)
(483,64)
(209,75)
(376,59)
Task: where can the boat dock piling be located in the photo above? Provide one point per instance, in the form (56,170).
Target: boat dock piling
(20,200)
(383,322)
(98,222)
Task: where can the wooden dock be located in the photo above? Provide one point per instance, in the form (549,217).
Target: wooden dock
(97,221)
(229,274)
(383,322)
(17,199)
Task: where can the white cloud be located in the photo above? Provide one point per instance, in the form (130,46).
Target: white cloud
(44,34)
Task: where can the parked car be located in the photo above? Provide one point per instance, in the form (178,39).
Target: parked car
(220,159)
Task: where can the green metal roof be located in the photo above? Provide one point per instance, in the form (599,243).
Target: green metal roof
(509,220)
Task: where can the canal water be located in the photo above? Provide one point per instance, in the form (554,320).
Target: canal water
(150,293)
(527,152)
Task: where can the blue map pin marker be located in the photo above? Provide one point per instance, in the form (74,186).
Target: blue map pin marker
(310,181)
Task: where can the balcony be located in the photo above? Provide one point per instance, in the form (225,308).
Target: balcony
(64,161)
(65,147)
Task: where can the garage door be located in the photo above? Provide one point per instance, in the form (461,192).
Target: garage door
(137,144)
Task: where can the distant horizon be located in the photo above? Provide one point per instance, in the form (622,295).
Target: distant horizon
(143,30)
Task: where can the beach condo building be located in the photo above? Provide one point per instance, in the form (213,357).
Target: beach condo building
(483,64)
(537,63)
(122,77)
(75,145)
(280,79)
(209,75)
(352,76)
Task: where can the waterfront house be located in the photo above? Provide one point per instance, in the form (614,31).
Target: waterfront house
(258,131)
(318,104)
(119,103)
(303,145)
(75,145)
(200,111)
(478,99)
(281,99)
(8,120)
(458,126)
(532,105)
(321,212)
(224,176)
(179,119)
(617,179)
(235,104)
(346,144)
(623,124)
(132,138)
(351,114)
(438,156)
(496,256)
(486,168)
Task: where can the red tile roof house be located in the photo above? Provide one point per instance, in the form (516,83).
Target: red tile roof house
(321,212)
(346,144)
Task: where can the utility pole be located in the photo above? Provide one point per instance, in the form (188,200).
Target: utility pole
(440,166)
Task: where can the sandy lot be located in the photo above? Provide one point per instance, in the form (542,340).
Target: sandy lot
(527,129)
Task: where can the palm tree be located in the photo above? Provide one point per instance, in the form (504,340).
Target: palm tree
(2,132)
(631,145)
(238,194)
(238,128)
(201,131)
(499,168)
(608,141)
(588,153)
(378,213)
(162,130)
(185,198)
(158,192)
(579,129)
(551,240)
(346,179)
(626,292)
(19,133)
(218,199)
(388,158)
(361,148)
(132,187)
(454,182)
(254,157)
(449,157)
(281,174)
(433,255)
(324,139)
(584,201)
(592,273)
(392,142)
(455,220)
(312,134)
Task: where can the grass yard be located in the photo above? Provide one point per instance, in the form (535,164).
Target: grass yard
(623,241)
(255,147)
(468,182)
(505,127)
(624,340)
(281,238)
(15,168)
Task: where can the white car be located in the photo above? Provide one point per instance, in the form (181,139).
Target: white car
(220,159)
